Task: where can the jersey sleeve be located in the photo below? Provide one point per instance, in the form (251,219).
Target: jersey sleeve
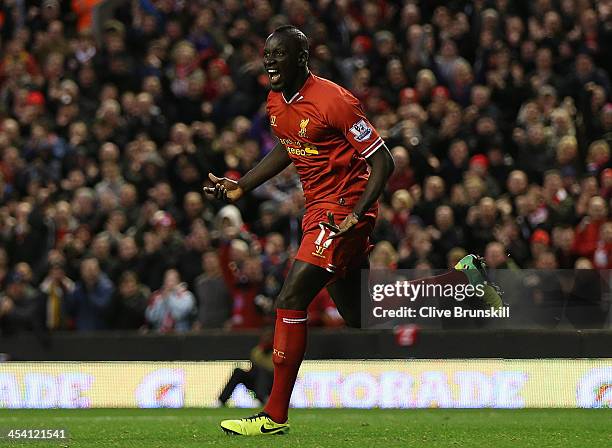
(346,115)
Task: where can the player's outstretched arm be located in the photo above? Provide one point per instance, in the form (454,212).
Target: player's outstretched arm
(271,165)
(382,166)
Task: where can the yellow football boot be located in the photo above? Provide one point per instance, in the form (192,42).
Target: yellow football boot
(258,425)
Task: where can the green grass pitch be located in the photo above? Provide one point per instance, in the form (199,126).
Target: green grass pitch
(173,428)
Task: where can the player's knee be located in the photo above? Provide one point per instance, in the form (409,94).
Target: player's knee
(291,301)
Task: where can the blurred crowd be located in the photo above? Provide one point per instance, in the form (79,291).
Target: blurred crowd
(112,113)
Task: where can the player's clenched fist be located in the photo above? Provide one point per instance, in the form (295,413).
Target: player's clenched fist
(224,188)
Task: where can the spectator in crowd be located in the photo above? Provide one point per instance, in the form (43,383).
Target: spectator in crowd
(544,295)
(127,257)
(171,308)
(56,288)
(19,306)
(383,256)
(454,255)
(90,304)
(540,245)
(214,300)
(244,275)
(130,302)
(444,233)
(496,257)
(195,244)
(587,232)
(403,176)
(602,257)
(481,222)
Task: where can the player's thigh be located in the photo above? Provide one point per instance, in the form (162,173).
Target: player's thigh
(346,294)
(303,283)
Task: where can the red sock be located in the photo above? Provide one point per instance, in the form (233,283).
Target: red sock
(289,348)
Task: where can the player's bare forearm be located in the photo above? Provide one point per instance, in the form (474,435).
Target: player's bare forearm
(229,190)
(382,165)
(271,165)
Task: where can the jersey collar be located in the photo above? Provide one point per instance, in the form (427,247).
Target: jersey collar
(297,96)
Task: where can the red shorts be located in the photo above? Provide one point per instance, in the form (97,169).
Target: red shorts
(338,255)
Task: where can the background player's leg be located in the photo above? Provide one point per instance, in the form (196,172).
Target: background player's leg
(238,376)
(303,283)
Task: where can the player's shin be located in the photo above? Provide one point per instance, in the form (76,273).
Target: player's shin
(288,352)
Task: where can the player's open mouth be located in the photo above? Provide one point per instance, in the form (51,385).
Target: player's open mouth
(274,76)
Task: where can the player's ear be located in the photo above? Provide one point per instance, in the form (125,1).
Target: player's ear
(303,58)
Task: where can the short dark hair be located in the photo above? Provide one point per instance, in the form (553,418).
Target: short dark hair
(295,34)
(128,275)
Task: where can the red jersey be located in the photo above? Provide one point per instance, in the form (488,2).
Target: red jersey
(326,134)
